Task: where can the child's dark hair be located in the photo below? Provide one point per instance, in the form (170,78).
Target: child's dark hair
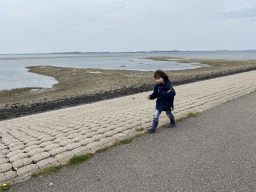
(160,73)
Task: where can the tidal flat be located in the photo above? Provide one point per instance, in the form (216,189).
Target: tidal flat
(84,85)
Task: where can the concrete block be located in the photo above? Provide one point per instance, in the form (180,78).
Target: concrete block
(90,134)
(4,151)
(79,151)
(37,157)
(27,161)
(79,138)
(71,146)
(71,136)
(98,137)
(45,139)
(32,167)
(5,167)
(15,144)
(4,160)
(52,161)
(42,164)
(50,147)
(65,142)
(2,178)
(17,164)
(14,153)
(36,142)
(86,141)
(3,147)
(10,175)
(31,147)
(19,147)
(44,144)
(35,151)
(63,157)
(57,151)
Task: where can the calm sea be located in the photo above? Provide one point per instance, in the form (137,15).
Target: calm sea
(13,73)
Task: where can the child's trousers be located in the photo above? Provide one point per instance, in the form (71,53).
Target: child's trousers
(158,112)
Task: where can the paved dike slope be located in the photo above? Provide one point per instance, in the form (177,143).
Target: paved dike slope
(33,142)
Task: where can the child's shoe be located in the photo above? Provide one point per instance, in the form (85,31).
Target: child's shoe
(153,128)
(172,123)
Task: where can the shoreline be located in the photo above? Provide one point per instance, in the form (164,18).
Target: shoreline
(84,88)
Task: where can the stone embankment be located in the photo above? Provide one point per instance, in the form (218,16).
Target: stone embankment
(34,142)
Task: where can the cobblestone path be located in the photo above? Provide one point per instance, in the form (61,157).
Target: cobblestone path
(34,142)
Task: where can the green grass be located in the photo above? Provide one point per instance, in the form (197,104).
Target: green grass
(78,159)
(121,142)
(4,187)
(139,129)
(56,168)
(191,114)
(188,115)
(48,170)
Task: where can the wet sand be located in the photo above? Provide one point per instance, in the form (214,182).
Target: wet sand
(78,85)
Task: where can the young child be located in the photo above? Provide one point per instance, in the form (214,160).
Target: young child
(164,93)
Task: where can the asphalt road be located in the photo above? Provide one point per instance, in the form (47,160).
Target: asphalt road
(214,151)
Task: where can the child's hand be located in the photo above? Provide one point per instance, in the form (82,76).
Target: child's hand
(148,97)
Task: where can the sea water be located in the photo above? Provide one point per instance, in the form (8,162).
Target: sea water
(13,73)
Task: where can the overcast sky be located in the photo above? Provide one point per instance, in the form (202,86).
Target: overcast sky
(34,26)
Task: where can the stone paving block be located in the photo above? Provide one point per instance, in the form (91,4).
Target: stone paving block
(50,147)
(10,175)
(80,151)
(5,167)
(65,142)
(33,143)
(121,129)
(77,139)
(42,164)
(92,146)
(86,141)
(31,147)
(27,161)
(60,135)
(90,134)
(35,151)
(84,132)
(15,144)
(71,146)
(19,147)
(17,164)
(2,178)
(45,139)
(98,137)
(63,157)
(32,167)
(57,151)
(110,133)
(29,140)
(41,136)
(44,144)
(27,169)
(107,141)
(4,160)
(58,140)
(3,147)
(102,130)
(52,161)
(14,153)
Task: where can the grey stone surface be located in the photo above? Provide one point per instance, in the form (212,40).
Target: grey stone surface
(57,150)
(5,167)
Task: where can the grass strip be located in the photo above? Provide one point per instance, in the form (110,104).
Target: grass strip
(56,168)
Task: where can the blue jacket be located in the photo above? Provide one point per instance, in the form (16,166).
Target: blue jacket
(164,93)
